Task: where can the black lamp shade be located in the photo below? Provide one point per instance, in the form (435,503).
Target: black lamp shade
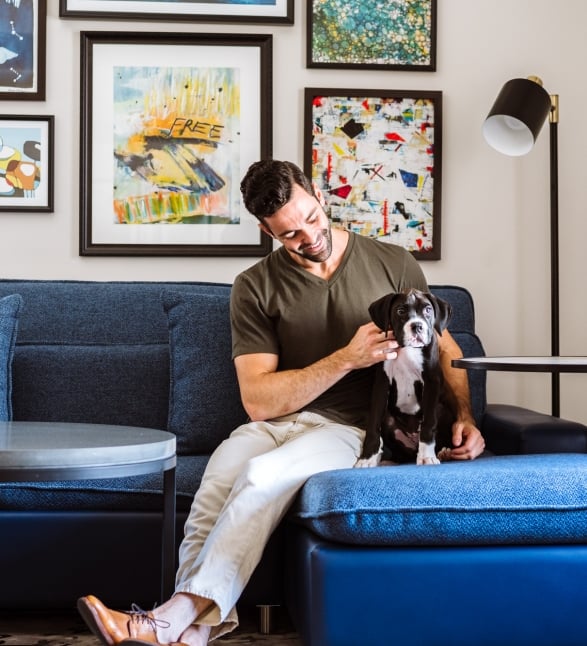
(517,116)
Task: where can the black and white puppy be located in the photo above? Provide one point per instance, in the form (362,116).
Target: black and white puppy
(412,408)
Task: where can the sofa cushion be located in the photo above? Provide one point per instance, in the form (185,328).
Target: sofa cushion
(101,383)
(204,398)
(9,310)
(527,499)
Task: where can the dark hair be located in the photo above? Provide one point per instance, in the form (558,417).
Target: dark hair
(268,184)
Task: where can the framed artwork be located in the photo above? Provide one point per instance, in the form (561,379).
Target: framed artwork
(370,34)
(23,26)
(26,163)
(376,156)
(170,122)
(251,11)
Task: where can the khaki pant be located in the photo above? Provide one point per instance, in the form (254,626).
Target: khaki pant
(249,483)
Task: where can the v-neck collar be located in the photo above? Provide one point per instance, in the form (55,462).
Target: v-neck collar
(317,279)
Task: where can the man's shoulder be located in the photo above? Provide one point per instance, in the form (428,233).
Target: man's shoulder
(265,269)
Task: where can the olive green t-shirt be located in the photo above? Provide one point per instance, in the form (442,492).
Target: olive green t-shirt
(278,307)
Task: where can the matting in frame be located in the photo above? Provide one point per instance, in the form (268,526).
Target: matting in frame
(165,142)
(26,163)
(376,155)
(370,34)
(23,50)
(250,11)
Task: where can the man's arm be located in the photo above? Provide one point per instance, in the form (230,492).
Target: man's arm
(467,438)
(267,393)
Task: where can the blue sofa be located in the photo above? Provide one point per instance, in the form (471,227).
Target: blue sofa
(493,551)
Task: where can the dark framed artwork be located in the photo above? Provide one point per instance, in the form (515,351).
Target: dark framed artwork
(251,11)
(370,34)
(23,27)
(376,155)
(169,124)
(26,163)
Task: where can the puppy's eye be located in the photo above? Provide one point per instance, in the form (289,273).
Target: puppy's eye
(429,310)
(401,311)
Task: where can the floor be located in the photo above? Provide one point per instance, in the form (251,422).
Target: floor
(48,629)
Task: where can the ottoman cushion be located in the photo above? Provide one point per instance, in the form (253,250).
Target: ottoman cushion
(527,499)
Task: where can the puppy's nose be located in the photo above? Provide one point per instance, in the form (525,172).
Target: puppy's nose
(417,327)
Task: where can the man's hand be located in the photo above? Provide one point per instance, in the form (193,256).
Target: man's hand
(368,346)
(467,440)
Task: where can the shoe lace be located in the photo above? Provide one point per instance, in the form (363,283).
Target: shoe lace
(138,615)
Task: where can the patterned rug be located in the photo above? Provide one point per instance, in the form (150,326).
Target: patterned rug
(43,629)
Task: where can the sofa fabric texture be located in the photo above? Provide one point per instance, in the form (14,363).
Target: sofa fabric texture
(199,326)
(496,502)
(9,310)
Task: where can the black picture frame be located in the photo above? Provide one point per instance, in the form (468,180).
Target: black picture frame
(22,75)
(27,151)
(163,147)
(376,155)
(372,35)
(282,12)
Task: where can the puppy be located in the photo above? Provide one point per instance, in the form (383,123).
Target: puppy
(412,407)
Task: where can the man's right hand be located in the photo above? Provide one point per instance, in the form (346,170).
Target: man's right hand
(369,346)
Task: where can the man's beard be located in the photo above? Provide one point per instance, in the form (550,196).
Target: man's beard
(324,253)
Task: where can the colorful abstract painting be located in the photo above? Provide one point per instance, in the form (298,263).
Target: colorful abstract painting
(176,144)
(376,159)
(257,11)
(22,49)
(26,163)
(397,34)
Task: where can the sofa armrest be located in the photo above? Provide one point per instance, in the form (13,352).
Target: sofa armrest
(512,430)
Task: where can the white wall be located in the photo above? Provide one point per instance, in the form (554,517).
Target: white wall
(495,209)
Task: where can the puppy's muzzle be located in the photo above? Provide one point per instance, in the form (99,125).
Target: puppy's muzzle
(417,334)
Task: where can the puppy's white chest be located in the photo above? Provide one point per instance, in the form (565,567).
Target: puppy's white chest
(406,370)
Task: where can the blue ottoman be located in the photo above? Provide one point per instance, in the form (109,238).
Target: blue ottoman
(486,552)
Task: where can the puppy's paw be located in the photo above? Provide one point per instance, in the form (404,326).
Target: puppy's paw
(426,454)
(365,463)
(433,460)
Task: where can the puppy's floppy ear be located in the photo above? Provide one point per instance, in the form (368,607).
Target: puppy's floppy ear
(380,311)
(442,312)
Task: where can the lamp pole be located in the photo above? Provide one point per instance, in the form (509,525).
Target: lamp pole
(554,250)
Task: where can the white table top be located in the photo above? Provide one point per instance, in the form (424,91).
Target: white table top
(524,364)
(70,449)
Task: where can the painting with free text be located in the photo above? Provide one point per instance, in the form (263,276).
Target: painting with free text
(176,145)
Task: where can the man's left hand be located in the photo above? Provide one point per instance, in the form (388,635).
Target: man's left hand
(467,440)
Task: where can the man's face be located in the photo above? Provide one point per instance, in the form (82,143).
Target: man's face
(302,227)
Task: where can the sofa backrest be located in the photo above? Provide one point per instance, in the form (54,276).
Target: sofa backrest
(99,352)
(462,328)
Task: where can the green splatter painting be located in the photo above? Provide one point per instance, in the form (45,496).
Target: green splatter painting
(395,33)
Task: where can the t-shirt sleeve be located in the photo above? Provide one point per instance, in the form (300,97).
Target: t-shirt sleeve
(252,329)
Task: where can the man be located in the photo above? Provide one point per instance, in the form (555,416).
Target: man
(304,351)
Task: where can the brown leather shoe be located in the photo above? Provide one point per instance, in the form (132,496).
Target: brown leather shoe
(113,627)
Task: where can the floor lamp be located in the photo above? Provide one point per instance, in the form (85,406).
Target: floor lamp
(511,127)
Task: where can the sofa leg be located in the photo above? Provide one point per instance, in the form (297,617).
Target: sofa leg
(266,618)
